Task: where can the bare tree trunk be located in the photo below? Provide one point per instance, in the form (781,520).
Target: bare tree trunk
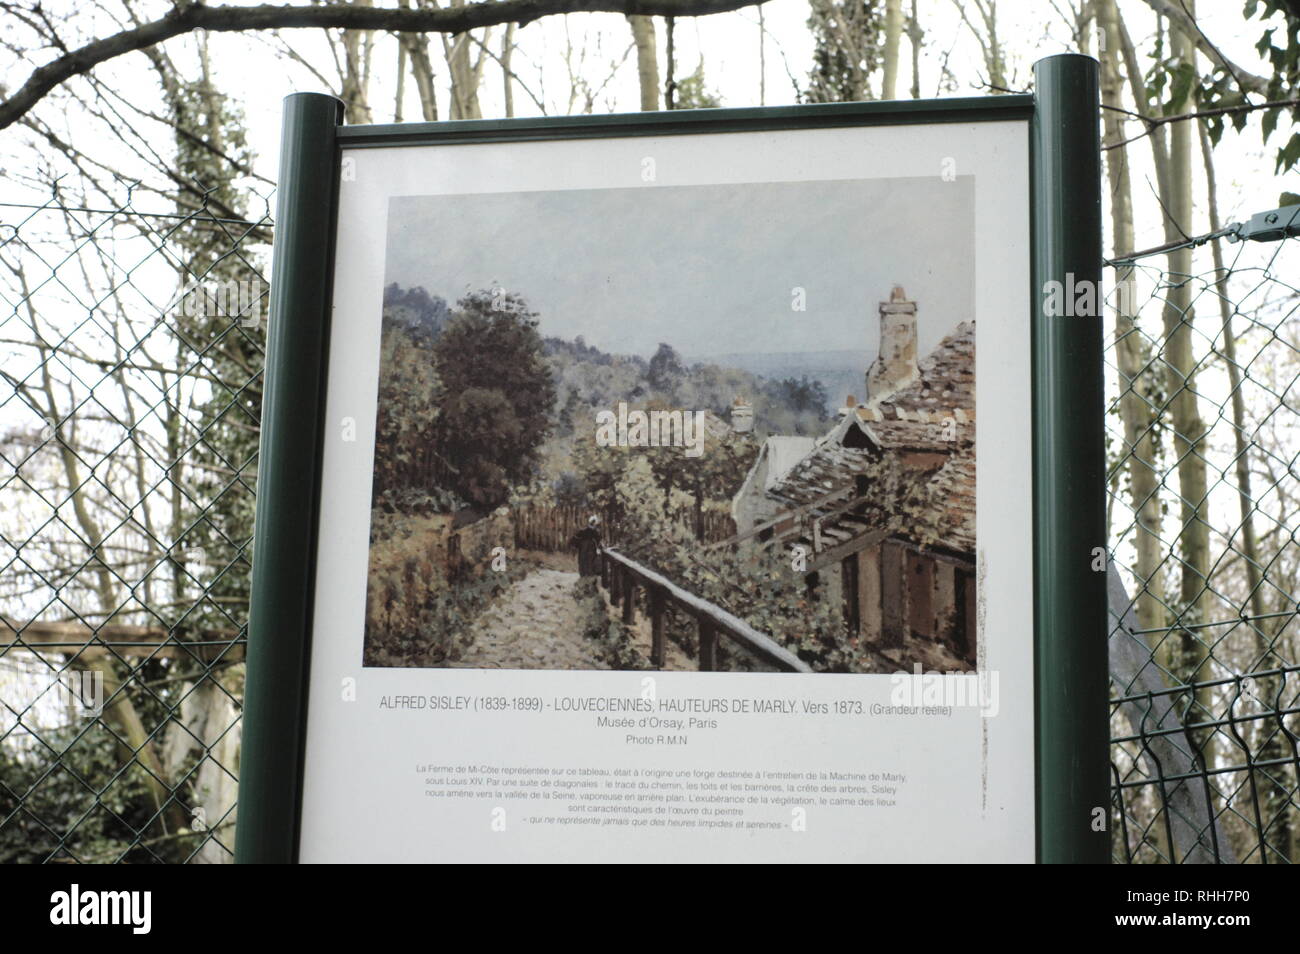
(1133,357)
(1142,97)
(417,48)
(401,81)
(1083,36)
(1133,354)
(464,98)
(1185,654)
(1167,646)
(670,84)
(1275,795)
(647,61)
(507,47)
(1245,498)
(207,729)
(479,64)
(893,38)
(357,49)
(422,72)
(914,37)
(1188,427)
(466,74)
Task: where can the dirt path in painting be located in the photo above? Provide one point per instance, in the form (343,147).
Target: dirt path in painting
(534,626)
(538,625)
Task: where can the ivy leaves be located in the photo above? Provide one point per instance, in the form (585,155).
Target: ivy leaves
(1172,82)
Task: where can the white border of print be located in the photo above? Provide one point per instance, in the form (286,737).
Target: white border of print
(970,789)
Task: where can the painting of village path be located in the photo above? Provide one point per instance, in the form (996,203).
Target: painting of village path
(697,428)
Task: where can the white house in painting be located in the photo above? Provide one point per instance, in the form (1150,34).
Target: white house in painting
(776,458)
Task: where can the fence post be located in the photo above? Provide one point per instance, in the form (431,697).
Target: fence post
(1070,648)
(629,598)
(656,601)
(708,646)
(284,535)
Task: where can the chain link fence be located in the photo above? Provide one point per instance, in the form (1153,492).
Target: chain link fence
(132,356)
(132,359)
(1202,367)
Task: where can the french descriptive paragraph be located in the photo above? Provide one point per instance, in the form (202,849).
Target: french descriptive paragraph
(664,798)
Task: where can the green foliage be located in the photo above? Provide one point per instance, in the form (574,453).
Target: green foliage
(499,395)
(75,785)
(760,587)
(407,417)
(615,642)
(587,380)
(1279,45)
(597,471)
(848,39)
(693,93)
(665,371)
(409,500)
(223,342)
(423,622)
(482,432)
(464,401)
(415,311)
(803,396)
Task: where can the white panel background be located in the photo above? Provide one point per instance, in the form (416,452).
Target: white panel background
(971,782)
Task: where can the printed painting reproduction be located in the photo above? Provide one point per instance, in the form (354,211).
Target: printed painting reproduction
(691,428)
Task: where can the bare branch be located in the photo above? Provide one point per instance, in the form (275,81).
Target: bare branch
(189,17)
(1153,122)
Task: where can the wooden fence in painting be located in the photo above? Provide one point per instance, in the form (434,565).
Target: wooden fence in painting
(622,577)
(550,527)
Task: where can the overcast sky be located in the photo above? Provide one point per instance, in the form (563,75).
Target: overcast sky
(708,269)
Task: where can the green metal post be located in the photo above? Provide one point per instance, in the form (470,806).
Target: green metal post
(1073,798)
(284,535)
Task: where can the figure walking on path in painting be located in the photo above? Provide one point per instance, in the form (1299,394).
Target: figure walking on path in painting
(587,542)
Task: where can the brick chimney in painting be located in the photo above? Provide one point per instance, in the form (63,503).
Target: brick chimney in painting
(895,364)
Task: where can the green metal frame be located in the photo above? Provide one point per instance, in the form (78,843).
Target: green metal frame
(693,122)
(288,476)
(1070,624)
(1071,749)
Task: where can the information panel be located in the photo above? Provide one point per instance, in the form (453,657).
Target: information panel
(675,499)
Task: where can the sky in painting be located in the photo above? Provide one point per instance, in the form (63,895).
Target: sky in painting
(709,269)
